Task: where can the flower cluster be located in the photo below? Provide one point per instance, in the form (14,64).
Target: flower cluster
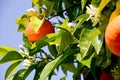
(91,10)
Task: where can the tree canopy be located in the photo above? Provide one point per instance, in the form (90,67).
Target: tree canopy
(77,46)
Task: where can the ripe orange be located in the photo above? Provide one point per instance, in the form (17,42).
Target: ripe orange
(45,29)
(112,36)
(106,76)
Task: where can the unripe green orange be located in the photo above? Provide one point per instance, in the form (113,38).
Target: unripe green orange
(45,29)
(112,36)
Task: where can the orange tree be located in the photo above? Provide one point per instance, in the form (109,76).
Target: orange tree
(77,45)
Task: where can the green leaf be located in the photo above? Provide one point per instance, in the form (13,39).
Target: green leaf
(28,71)
(37,3)
(69,66)
(53,50)
(22,22)
(5,49)
(46,39)
(82,18)
(19,75)
(21,28)
(103,3)
(86,62)
(93,68)
(95,32)
(36,22)
(10,77)
(65,24)
(8,48)
(66,39)
(49,5)
(95,2)
(11,69)
(27,43)
(83,3)
(95,42)
(63,78)
(85,42)
(79,70)
(53,64)
(11,56)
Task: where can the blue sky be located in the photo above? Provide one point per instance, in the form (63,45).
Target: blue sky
(9,11)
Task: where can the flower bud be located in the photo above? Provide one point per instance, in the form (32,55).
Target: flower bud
(27,63)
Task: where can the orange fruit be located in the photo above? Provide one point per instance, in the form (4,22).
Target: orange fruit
(45,29)
(106,76)
(112,36)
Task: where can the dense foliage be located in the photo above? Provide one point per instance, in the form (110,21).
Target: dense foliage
(77,46)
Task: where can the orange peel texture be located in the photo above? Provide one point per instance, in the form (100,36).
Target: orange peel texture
(45,29)
(112,36)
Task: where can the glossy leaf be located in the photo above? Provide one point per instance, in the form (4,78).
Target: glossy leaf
(66,39)
(103,3)
(53,50)
(5,49)
(85,42)
(36,3)
(49,5)
(11,68)
(28,71)
(95,42)
(45,40)
(83,3)
(86,62)
(8,48)
(9,57)
(53,64)
(10,77)
(69,66)
(19,75)
(22,22)
(27,43)
(65,24)
(95,2)
(82,18)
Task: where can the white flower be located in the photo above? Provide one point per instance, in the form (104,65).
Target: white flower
(27,63)
(27,53)
(31,9)
(71,24)
(91,10)
(58,29)
(57,44)
(21,51)
(20,46)
(78,45)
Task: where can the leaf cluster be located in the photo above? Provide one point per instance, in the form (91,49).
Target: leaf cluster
(78,48)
